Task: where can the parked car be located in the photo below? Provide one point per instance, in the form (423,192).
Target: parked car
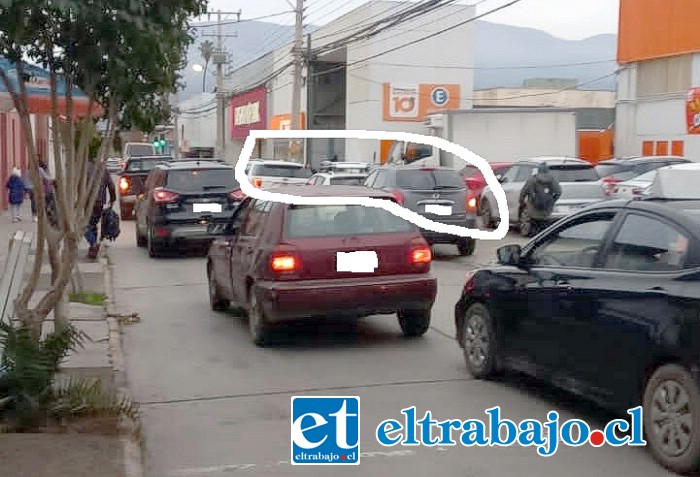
(283,262)
(438,194)
(633,187)
(266,173)
(179,202)
(580,184)
(329,178)
(679,182)
(345,167)
(475,180)
(131,181)
(618,170)
(606,304)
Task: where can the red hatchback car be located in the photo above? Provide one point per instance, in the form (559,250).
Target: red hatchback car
(280,262)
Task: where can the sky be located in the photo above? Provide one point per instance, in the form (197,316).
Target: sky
(567,19)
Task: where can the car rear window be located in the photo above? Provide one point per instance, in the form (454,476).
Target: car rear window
(144,165)
(202,180)
(429,179)
(267,170)
(582,173)
(347,180)
(470,171)
(315,221)
(141,150)
(607,170)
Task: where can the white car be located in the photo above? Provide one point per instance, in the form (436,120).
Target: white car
(265,173)
(678,182)
(634,187)
(327,178)
(345,167)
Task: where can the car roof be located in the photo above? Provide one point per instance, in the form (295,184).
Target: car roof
(554,160)
(332,191)
(341,175)
(401,167)
(196,164)
(643,160)
(140,158)
(278,163)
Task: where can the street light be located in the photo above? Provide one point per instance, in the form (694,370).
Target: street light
(198,68)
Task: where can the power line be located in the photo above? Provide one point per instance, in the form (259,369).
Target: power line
(233,22)
(514,67)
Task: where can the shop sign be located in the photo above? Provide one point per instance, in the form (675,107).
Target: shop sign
(692,110)
(412,102)
(282,122)
(248,111)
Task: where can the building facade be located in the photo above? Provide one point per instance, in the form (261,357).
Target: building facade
(658,106)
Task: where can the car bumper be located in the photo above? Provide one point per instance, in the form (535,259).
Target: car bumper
(439,237)
(348,298)
(172,234)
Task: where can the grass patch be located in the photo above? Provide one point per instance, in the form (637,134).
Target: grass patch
(95,299)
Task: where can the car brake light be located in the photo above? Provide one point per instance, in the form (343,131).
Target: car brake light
(609,185)
(637,191)
(284,262)
(421,255)
(398,195)
(469,283)
(162,196)
(471,204)
(257,182)
(123,184)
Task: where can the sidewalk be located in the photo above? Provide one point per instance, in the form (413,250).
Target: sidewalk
(73,454)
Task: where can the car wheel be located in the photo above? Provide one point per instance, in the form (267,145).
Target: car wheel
(477,337)
(486,215)
(414,323)
(525,223)
(466,246)
(154,249)
(140,239)
(256,320)
(672,418)
(217,303)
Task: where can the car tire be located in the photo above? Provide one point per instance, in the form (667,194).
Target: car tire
(256,320)
(486,214)
(215,301)
(414,323)
(524,223)
(154,250)
(682,416)
(466,247)
(141,241)
(477,338)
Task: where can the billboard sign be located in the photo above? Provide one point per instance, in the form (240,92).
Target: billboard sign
(248,111)
(412,102)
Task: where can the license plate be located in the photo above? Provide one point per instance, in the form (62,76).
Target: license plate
(357,262)
(195,230)
(213,208)
(438,209)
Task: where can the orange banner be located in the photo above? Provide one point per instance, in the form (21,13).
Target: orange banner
(414,102)
(284,121)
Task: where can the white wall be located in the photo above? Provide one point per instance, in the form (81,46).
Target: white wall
(413,64)
(198,119)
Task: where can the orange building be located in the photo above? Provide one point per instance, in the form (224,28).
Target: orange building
(658,109)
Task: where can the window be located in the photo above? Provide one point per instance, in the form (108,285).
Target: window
(144,165)
(576,245)
(135,150)
(648,245)
(524,173)
(583,173)
(255,219)
(202,180)
(382,180)
(512,174)
(308,221)
(470,171)
(268,170)
(355,181)
(607,170)
(429,179)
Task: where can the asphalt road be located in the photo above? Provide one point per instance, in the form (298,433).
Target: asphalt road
(215,405)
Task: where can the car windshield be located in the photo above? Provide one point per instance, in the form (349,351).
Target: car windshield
(140,150)
(313,221)
(202,180)
(429,179)
(267,170)
(583,173)
(646,177)
(347,180)
(144,165)
(607,170)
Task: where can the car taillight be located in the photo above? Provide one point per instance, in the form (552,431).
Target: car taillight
(471,204)
(421,255)
(637,191)
(610,186)
(162,196)
(469,283)
(257,182)
(281,262)
(123,184)
(398,195)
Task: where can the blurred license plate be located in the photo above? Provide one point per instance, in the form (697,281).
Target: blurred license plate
(197,230)
(357,262)
(214,208)
(438,209)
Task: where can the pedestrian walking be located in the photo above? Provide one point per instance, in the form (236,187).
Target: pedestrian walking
(537,199)
(15,189)
(29,189)
(106,185)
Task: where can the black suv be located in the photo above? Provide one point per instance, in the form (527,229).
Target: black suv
(181,201)
(437,193)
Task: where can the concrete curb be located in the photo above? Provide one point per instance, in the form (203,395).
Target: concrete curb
(130,429)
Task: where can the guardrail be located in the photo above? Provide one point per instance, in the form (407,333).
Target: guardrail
(14,273)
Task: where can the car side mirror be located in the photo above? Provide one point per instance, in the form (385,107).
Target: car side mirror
(500,178)
(510,255)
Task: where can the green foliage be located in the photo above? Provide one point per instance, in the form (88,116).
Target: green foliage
(87,398)
(94,299)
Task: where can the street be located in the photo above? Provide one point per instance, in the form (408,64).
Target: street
(214,404)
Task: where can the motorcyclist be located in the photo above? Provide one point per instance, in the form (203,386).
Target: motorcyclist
(537,199)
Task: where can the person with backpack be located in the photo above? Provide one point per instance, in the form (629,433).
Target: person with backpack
(106,184)
(540,193)
(15,189)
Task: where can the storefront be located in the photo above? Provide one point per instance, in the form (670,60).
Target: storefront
(247,112)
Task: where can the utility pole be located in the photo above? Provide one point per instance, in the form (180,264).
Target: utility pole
(219,58)
(297,55)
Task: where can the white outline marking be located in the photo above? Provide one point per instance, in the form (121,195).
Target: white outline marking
(391,207)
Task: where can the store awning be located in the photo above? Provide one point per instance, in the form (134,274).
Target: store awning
(38,87)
